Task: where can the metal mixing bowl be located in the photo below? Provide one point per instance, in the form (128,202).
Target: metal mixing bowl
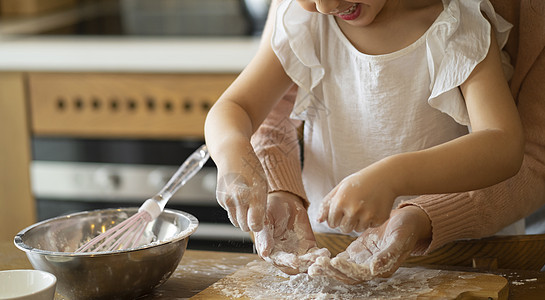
(121,274)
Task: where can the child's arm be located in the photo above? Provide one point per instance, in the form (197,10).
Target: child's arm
(492,152)
(484,212)
(230,124)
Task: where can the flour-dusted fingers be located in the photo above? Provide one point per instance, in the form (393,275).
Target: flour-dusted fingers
(324,209)
(286,262)
(221,197)
(256,204)
(231,213)
(340,275)
(323,267)
(348,224)
(325,206)
(242,217)
(240,194)
(295,260)
(288,229)
(291,263)
(227,203)
(336,214)
(361,249)
(308,259)
(264,240)
(244,199)
(353,272)
(256,211)
(386,261)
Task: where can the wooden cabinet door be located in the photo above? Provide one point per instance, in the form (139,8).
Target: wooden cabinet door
(167,106)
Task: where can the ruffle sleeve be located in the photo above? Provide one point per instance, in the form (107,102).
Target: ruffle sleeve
(457,43)
(293,33)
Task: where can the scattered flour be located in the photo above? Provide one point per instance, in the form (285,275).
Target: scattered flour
(523,281)
(216,267)
(261,280)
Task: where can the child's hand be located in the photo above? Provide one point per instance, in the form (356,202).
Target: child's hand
(287,239)
(242,191)
(361,200)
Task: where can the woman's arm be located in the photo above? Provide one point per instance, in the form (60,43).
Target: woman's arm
(276,144)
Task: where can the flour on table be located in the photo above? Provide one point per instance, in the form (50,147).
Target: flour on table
(221,267)
(261,280)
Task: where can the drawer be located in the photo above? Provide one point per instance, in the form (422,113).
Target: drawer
(94,105)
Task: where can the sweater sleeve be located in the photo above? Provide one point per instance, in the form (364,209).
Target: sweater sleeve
(276,143)
(484,212)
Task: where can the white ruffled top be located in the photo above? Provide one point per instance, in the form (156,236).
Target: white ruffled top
(360,108)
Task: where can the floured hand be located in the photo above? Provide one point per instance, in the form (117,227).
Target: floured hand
(345,268)
(361,200)
(287,239)
(242,191)
(378,252)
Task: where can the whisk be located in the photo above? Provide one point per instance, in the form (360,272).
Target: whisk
(126,234)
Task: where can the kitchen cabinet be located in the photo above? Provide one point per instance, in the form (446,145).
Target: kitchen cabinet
(122,105)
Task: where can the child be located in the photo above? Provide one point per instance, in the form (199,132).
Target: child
(388,90)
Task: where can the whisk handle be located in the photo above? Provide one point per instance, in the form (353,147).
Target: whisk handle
(185,172)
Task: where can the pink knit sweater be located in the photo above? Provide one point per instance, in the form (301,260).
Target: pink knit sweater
(473,214)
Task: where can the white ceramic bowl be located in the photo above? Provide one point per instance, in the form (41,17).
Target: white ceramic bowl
(27,285)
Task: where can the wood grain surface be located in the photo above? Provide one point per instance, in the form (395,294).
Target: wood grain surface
(257,281)
(521,252)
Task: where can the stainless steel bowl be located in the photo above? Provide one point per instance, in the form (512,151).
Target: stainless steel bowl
(122,274)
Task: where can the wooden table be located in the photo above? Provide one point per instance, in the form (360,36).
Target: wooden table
(200,269)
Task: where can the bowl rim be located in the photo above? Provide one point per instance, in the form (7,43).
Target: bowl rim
(51,283)
(19,243)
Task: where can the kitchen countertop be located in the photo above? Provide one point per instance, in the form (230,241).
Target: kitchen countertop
(200,269)
(126,54)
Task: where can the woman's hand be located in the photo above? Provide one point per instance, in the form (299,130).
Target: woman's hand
(242,190)
(378,252)
(287,239)
(361,200)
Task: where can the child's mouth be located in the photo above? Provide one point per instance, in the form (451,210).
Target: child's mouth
(351,13)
